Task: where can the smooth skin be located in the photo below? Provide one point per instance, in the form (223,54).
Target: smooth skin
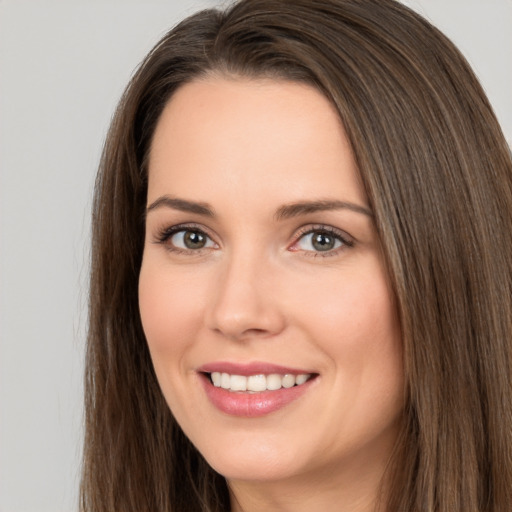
(231,272)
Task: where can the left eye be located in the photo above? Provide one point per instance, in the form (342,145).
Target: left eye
(319,241)
(191,239)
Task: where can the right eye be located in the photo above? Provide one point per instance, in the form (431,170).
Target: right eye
(186,239)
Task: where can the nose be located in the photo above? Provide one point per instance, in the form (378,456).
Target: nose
(245,301)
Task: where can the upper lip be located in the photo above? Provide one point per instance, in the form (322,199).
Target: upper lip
(253,368)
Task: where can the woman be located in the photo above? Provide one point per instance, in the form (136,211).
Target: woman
(301,290)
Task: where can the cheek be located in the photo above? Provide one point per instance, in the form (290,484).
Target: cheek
(353,310)
(363,339)
(170,315)
(357,328)
(167,311)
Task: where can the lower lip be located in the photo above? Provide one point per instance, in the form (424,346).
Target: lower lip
(252,405)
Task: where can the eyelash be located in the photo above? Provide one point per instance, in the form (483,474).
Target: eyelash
(345,240)
(165,234)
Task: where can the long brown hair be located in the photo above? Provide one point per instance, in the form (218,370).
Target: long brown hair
(438,175)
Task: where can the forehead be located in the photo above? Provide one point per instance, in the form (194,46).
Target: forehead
(269,137)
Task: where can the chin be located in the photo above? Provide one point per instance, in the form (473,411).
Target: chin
(254,461)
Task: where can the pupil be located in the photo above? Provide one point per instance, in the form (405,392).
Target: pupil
(194,240)
(323,242)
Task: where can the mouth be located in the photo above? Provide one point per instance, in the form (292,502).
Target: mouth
(254,390)
(257,383)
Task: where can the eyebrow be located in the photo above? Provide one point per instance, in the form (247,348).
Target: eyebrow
(305,207)
(286,211)
(181,205)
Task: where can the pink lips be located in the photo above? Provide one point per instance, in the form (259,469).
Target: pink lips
(247,404)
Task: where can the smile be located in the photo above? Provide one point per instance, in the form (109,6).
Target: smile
(257,383)
(253,390)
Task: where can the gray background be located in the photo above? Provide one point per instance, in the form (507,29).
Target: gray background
(63,66)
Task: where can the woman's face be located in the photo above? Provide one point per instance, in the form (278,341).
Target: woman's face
(263,272)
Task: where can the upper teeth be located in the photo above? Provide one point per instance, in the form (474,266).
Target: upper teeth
(260,382)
